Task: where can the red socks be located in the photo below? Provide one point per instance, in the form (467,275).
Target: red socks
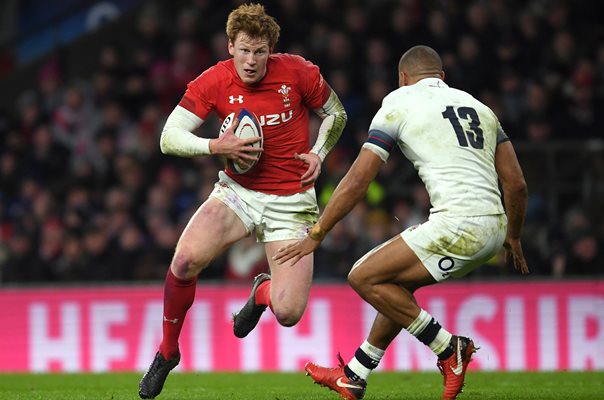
(178,298)
(263,294)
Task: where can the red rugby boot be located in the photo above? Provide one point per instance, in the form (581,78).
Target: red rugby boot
(336,380)
(454,368)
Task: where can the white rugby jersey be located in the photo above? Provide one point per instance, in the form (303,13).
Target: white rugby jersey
(450,137)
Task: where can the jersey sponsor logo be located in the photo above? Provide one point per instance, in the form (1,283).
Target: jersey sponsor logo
(275,119)
(238,99)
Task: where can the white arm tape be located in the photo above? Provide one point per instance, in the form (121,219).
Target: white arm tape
(334,120)
(177,137)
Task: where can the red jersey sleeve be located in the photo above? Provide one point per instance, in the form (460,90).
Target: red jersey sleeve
(200,98)
(315,90)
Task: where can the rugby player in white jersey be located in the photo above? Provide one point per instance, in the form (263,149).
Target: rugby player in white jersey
(460,151)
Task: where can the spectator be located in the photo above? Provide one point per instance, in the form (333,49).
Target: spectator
(580,116)
(74,122)
(70,266)
(49,86)
(21,264)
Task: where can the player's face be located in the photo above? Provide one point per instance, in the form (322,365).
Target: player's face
(250,56)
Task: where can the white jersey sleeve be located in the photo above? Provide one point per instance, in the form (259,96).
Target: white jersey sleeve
(383,131)
(450,137)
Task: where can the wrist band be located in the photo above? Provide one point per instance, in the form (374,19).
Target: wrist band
(317,233)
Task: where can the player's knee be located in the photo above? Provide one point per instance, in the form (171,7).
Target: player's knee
(186,264)
(355,279)
(287,316)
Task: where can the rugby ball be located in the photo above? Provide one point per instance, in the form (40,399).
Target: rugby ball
(248,127)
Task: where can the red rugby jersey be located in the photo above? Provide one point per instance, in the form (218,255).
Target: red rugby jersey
(281,100)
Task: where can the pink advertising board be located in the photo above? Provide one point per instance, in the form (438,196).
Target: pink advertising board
(519,326)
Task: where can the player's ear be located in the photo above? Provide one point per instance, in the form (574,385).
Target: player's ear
(442,75)
(402,79)
(231,48)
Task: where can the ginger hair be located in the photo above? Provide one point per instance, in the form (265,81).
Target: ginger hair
(253,20)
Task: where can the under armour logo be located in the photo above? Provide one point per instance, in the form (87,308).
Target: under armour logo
(174,321)
(238,99)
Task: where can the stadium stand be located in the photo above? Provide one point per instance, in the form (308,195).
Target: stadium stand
(86,195)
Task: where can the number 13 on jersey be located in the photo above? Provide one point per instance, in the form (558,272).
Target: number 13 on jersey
(474,135)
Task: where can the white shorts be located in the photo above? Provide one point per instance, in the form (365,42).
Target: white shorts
(273,217)
(454,246)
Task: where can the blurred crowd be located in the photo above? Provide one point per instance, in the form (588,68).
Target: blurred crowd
(86,195)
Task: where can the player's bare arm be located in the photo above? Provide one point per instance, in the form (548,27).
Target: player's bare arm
(350,191)
(515,197)
(334,120)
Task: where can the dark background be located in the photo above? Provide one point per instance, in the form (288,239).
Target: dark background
(85,194)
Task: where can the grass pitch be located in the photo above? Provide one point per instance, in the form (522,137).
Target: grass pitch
(296,386)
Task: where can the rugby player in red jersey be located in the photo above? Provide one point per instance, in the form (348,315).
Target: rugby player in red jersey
(275,198)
